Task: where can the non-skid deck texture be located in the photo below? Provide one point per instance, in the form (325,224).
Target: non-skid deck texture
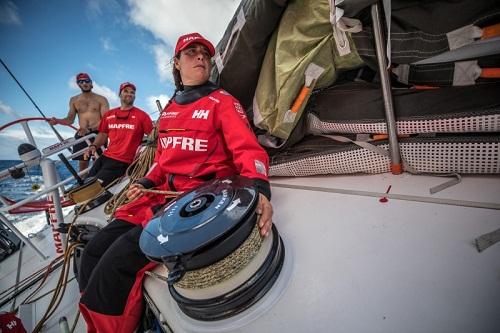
(317,155)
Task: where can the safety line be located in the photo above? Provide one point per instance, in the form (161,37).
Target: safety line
(464,203)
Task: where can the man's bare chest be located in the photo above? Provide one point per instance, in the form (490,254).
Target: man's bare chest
(87,105)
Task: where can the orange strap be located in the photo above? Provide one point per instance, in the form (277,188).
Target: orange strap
(422,87)
(490,73)
(491,31)
(300,99)
(377,137)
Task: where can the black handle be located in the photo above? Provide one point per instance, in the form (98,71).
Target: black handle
(70,168)
(158,104)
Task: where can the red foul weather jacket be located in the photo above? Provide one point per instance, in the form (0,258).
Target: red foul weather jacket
(208,138)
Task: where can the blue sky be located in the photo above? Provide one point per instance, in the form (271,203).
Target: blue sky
(45,43)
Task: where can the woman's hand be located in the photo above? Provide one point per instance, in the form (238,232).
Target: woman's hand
(135,191)
(265,209)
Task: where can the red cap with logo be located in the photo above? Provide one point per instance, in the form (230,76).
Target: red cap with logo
(186,40)
(125,85)
(82,76)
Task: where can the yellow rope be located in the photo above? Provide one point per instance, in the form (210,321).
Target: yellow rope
(167,193)
(60,288)
(75,322)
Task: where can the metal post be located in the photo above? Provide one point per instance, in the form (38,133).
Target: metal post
(394,152)
(27,131)
(56,215)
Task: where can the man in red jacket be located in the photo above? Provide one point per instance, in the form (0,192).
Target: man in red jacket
(125,127)
(203,134)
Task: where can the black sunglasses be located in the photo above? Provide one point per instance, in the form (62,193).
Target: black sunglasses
(83,81)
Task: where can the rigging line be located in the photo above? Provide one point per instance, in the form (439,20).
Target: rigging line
(453,202)
(25,287)
(32,101)
(18,275)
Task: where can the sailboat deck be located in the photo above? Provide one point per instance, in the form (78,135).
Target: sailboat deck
(355,264)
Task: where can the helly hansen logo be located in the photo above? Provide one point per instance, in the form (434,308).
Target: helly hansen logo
(200,114)
(184,143)
(120,126)
(11,325)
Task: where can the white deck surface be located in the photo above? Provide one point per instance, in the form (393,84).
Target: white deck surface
(32,262)
(358,265)
(354,264)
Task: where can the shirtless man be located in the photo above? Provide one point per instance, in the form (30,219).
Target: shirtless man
(90,107)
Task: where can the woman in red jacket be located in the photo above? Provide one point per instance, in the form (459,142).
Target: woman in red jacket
(203,134)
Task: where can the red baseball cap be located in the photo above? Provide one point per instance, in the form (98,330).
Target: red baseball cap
(125,85)
(82,76)
(186,40)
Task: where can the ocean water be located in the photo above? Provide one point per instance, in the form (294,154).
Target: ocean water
(30,184)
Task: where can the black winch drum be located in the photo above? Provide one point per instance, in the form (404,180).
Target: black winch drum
(205,232)
(97,201)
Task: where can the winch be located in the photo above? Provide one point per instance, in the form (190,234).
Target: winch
(207,238)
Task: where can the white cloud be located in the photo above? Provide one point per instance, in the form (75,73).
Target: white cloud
(111,95)
(169,19)
(163,66)
(107,45)
(152,108)
(13,136)
(95,8)
(7,110)
(40,132)
(9,13)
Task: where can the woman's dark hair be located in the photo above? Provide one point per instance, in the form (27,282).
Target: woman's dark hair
(177,75)
(177,80)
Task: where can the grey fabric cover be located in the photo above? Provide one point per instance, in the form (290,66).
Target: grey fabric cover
(362,102)
(246,52)
(419,28)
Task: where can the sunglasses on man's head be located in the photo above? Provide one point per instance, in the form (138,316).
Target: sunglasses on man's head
(84,81)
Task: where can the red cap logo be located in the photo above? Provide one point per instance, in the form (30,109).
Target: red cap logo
(186,40)
(82,76)
(125,85)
